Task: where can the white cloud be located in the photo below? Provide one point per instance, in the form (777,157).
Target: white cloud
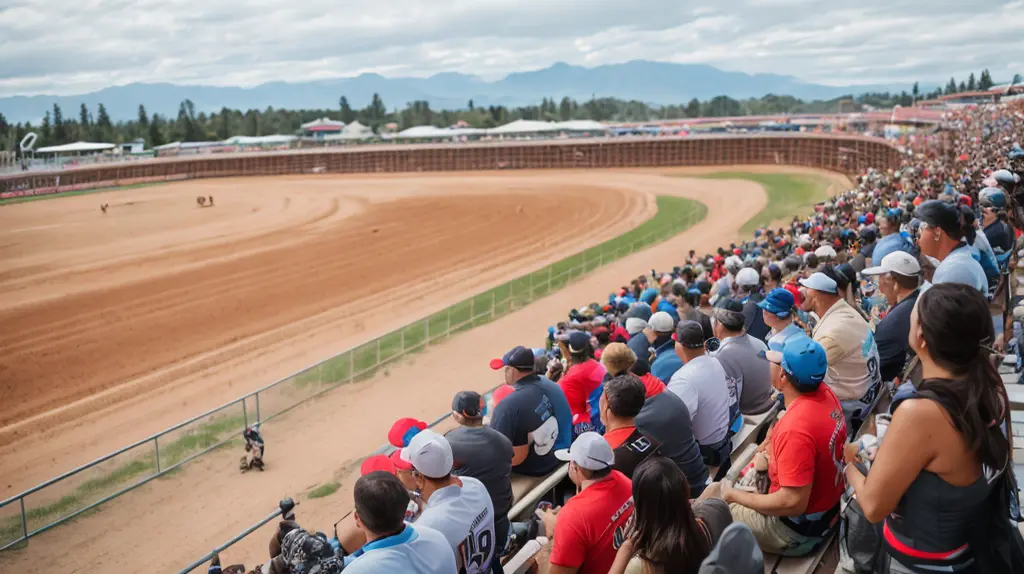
(71,46)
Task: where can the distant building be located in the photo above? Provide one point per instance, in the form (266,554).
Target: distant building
(321,128)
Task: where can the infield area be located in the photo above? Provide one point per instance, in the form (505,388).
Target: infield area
(120,324)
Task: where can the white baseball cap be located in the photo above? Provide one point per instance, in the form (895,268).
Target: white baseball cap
(590,451)
(430,454)
(733,262)
(662,322)
(825,251)
(896,262)
(634,325)
(820,282)
(747,277)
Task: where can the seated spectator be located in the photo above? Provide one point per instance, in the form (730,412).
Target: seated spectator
(993,220)
(535,417)
(587,532)
(666,362)
(804,458)
(458,507)
(619,359)
(981,251)
(946,448)
(671,533)
(850,345)
(777,309)
(940,236)
(403,431)
(581,380)
(748,291)
(392,545)
(637,323)
(666,302)
(739,356)
(484,454)
(892,240)
(704,389)
(623,397)
(899,278)
(303,551)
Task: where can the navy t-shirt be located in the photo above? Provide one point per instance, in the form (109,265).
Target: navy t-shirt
(536,413)
(892,337)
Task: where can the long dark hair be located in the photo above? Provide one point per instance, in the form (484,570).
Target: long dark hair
(667,535)
(956,325)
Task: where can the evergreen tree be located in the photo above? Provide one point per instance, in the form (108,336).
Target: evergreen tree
(104,127)
(224,124)
(985,82)
(693,108)
(45,130)
(84,123)
(971,83)
(916,91)
(156,137)
(60,134)
(347,114)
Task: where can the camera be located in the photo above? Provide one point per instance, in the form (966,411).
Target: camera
(287,505)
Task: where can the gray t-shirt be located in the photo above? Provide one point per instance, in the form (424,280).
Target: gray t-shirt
(664,417)
(748,373)
(486,455)
(961,267)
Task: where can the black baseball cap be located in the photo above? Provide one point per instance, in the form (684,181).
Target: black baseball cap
(938,213)
(690,334)
(468,404)
(578,341)
(518,358)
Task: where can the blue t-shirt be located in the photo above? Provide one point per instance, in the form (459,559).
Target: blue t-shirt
(961,267)
(667,361)
(536,413)
(890,244)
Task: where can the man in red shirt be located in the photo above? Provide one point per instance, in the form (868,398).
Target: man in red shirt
(805,458)
(588,531)
(584,375)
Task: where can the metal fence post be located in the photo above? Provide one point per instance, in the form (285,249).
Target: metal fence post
(426,340)
(258,404)
(377,364)
(156,446)
(402,344)
(493,298)
(351,366)
(245,414)
(472,309)
(24,519)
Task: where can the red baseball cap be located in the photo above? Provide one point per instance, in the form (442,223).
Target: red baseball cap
(375,463)
(501,392)
(398,463)
(403,430)
(795,290)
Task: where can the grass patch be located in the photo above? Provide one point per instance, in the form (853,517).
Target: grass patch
(28,198)
(788,194)
(324,490)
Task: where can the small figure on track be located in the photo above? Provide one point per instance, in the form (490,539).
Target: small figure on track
(254,448)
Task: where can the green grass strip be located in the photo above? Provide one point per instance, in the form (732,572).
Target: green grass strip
(324,490)
(788,194)
(28,198)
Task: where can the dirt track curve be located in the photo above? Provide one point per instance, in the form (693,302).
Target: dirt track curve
(197,307)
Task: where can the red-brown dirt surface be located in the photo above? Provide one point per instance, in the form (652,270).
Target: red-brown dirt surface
(119,325)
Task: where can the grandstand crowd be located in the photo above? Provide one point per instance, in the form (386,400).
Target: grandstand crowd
(861,343)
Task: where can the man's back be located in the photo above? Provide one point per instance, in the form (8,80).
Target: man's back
(592,525)
(999,235)
(417,550)
(961,267)
(853,365)
(536,413)
(665,418)
(748,372)
(702,385)
(465,517)
(892,335)
(667,362)
(578,383)
(631,447)
(486,455)
(753,320)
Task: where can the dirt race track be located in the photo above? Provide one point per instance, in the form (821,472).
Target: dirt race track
(117,325)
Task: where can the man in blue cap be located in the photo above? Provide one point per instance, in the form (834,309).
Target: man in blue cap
(805,458)
(777,309)
(535,417)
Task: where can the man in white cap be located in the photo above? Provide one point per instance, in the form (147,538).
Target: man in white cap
(748,291)
(665,363)
(590,528)
(899,280)
(458,507)
(853,365)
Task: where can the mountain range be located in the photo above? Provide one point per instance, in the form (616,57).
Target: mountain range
(650,82)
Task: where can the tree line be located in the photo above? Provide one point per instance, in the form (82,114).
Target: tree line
(188,125)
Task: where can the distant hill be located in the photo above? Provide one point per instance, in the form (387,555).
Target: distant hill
(651,82)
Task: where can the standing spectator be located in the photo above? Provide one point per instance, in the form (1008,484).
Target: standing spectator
(589,529)
(671,534)
(805,461)
(392,545)
(739,355)
(945,449)
(583,378)
(458,507)
(704,389)
(666,361)
(535,417)
(748,290)
(853,369)
(777,308)
(940,236)
(892,240)
(663,417)
(899,279)
(621,402)
(484,454)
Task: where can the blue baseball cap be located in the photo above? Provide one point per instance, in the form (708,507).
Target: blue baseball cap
(803,359)
(779,302)
(649,295)
(519,358)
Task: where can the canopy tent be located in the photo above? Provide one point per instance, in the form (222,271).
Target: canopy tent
(432,132)
(524,127)
(276,139)
(582,126)
(353,131)
(77,147)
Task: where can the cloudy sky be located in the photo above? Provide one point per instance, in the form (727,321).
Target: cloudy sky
(74,46)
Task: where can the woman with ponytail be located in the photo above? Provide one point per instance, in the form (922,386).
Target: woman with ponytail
(946,449)
(669,536)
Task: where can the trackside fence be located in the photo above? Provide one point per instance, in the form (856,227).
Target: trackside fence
(82,489)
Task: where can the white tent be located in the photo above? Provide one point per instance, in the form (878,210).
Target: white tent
(424,132)
(77,147)
(353,131)
(524,127)
(277,139)
(582,126)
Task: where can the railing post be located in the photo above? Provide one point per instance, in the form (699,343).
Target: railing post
(377,364)
(24,520)
(426,341)
(351,366)
(492,303)
(156,447)
(257,406)
(472,309)
(245,414)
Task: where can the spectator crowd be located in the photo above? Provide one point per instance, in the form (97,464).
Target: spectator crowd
(861,342)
